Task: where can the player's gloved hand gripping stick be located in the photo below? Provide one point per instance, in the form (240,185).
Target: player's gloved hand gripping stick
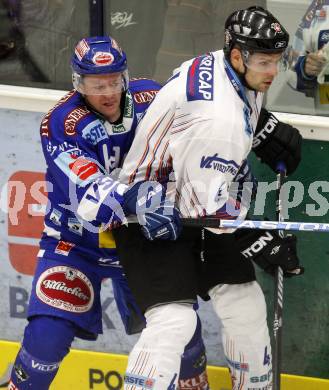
(158,217)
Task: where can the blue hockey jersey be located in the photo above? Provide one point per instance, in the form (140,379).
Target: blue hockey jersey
(81,148)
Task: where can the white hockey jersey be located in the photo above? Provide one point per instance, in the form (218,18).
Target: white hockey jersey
(198,130)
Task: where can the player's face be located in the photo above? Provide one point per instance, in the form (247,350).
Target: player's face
(104,94)
(262,69)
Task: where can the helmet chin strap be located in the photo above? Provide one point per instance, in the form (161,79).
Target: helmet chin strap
(242,78)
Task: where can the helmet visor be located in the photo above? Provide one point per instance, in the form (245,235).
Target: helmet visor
(101,84)
(265,63)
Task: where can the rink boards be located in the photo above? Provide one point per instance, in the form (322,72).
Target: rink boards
(83,370)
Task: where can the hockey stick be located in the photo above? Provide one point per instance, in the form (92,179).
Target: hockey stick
(212,222)
(278,292)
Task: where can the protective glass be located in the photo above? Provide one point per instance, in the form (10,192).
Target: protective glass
(262,63)
(101,84)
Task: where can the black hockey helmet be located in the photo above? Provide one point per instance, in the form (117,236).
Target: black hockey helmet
(256,30)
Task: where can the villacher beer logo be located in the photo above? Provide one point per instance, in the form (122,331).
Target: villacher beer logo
(65,288)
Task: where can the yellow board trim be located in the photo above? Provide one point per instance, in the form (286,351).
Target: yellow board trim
(324,93)
(80,368)
(106,239)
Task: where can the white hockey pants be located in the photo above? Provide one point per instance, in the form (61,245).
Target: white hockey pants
(154,362)
(242,311)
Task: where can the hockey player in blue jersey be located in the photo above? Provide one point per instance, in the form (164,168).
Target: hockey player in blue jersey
(84,138)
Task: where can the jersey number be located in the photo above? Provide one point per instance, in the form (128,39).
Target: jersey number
(112,161)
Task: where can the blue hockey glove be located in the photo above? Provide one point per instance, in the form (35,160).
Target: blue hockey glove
(157,215)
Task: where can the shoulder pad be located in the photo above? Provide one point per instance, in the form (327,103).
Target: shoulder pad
(68,111)
(143,91)
(140,84)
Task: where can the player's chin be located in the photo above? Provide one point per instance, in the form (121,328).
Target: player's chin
(109,109)
(264,87)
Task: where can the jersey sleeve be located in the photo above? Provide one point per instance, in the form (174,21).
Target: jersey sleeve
(148,157)
(75,173)
(181,140)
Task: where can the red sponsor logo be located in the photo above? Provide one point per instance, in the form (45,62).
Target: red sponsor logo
(276,27)
(82,167)
(27,199)
(73,118)
(103,59)
(199,382)
(65,288)
(81,49)
(63,247)
(144,97)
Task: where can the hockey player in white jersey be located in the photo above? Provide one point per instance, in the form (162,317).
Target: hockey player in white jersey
(195,138)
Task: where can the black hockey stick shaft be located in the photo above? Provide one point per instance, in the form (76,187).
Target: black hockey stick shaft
(278,293)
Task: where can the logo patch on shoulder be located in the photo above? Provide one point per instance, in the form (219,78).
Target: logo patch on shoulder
(73,118)
(82,49)
(145,96)
(45,124)
(200,79)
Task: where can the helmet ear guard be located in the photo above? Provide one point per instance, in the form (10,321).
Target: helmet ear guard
(255,29)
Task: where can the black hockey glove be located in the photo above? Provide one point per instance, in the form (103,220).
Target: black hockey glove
(268,250)
(275,142)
